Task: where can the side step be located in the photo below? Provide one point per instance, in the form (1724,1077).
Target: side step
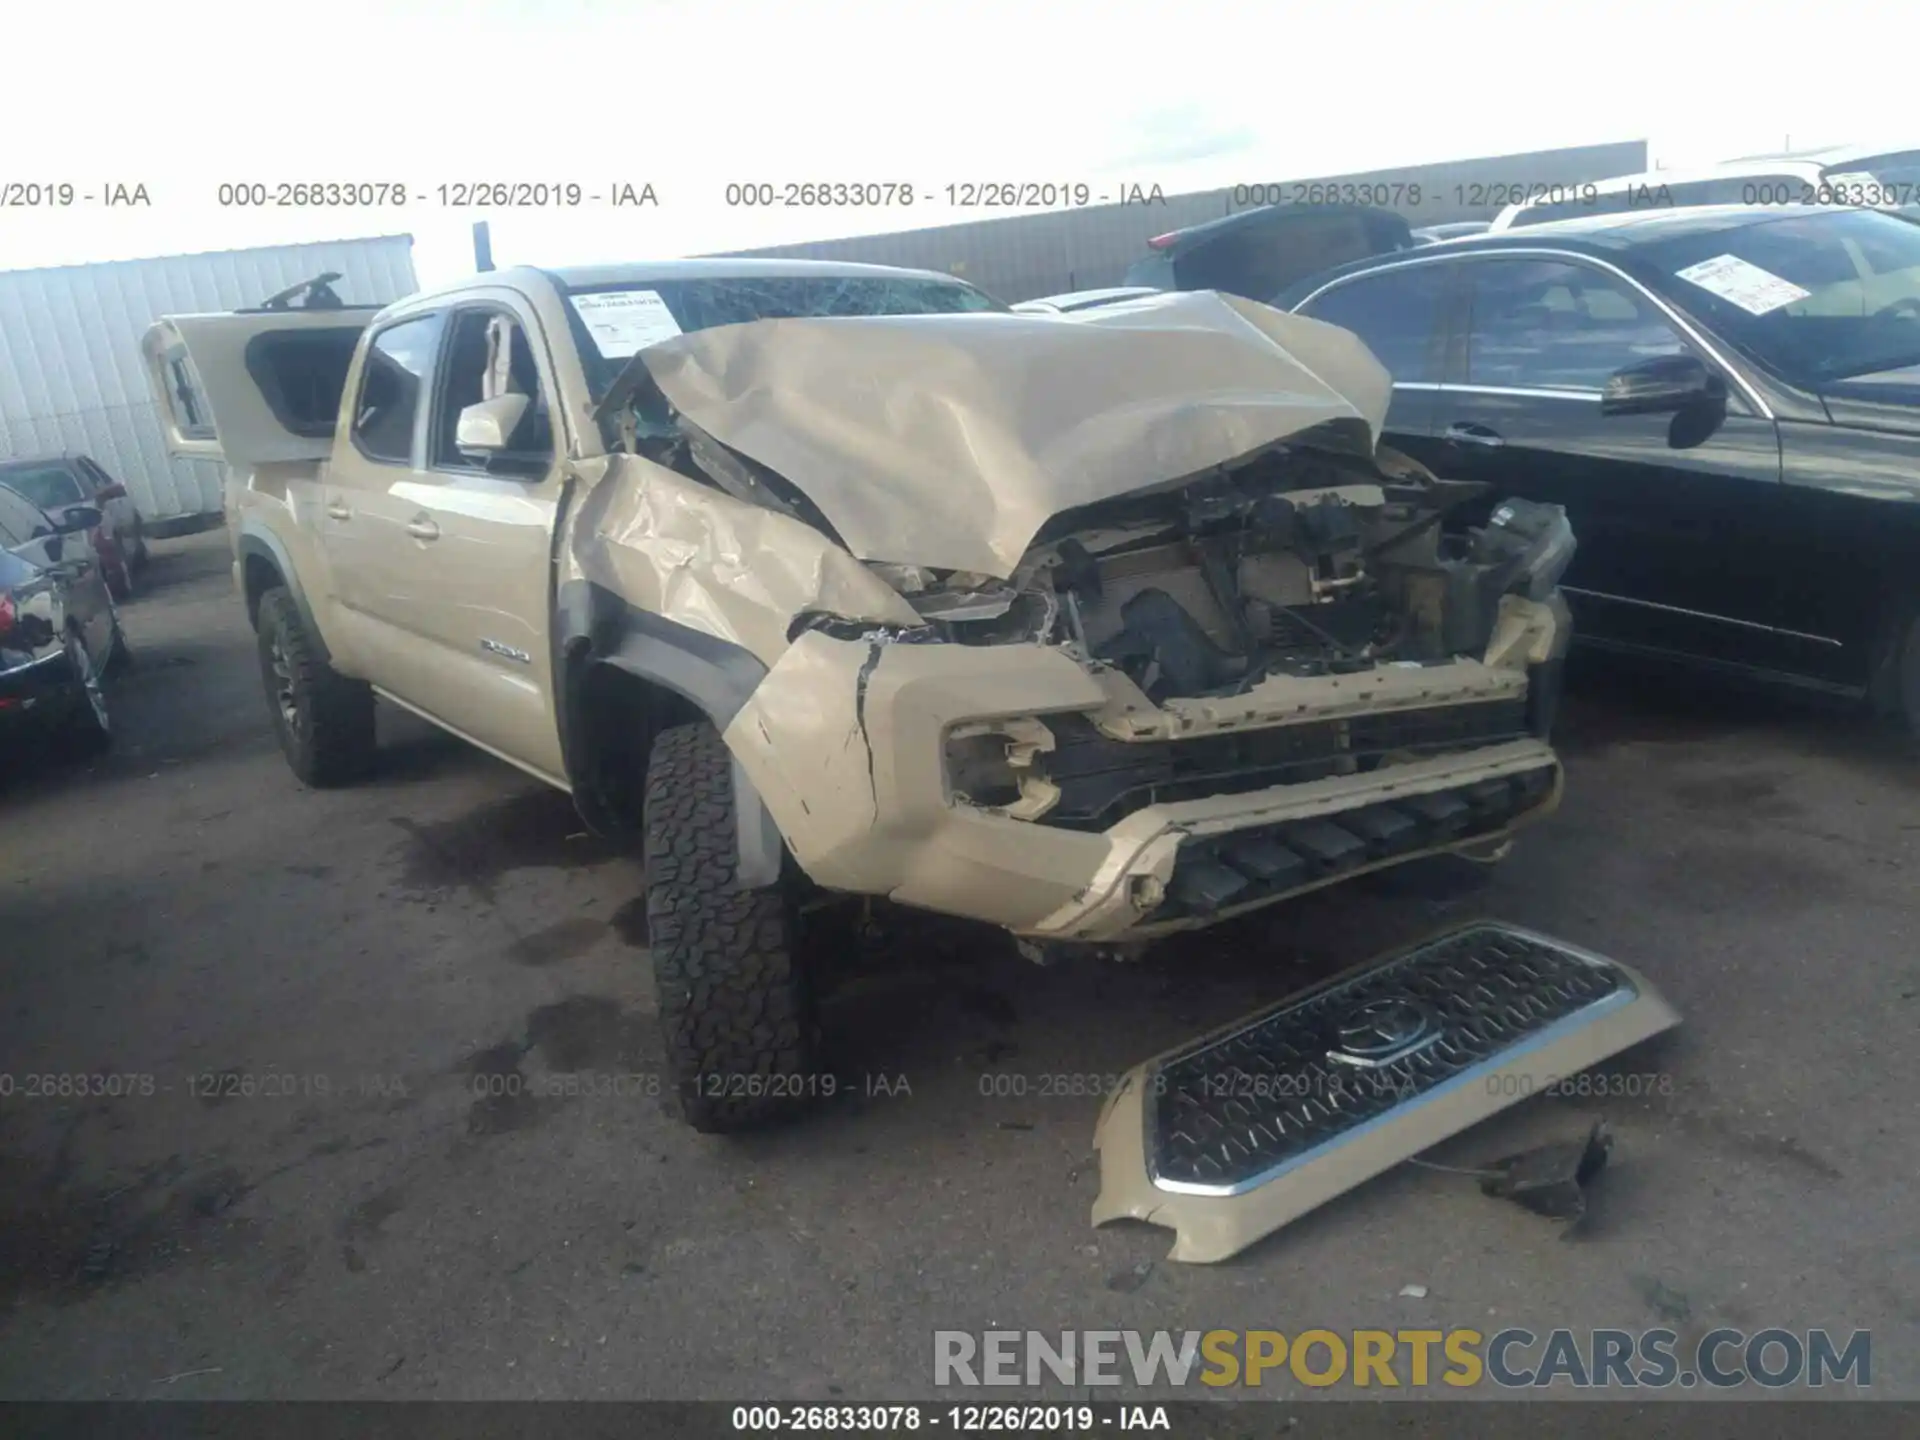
(1232,1136)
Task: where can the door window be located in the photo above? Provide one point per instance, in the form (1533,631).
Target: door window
(392,388)
(20,522)
(1549,324)
(1396,312)
(487,357)
(186,396)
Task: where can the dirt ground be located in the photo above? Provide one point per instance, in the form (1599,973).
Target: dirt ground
(325,1182)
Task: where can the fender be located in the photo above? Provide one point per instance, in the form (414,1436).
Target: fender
(594,626)
(257,541)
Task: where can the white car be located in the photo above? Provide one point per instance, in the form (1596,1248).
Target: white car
(1082,300)
(1867,175)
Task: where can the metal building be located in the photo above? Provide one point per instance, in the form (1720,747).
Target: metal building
(1021,256)
(71,376)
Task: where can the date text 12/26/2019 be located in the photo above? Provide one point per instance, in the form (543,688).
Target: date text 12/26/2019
(953,1419)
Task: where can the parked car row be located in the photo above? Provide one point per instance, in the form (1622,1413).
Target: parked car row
(1840,175)
(59,628)
(1725,399)
(65,484)
(71,541)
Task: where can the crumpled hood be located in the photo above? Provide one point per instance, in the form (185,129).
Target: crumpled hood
(949,440)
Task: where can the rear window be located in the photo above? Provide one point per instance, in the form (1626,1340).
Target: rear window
(301,375)
(706,303)
(48,486)
(1260,259)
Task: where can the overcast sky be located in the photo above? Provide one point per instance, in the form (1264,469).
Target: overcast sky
(692,94)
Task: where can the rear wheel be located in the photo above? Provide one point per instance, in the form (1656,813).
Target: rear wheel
(733,985)
(323,719)
(1906,677)
(119,653)
(89,728)
(113,564)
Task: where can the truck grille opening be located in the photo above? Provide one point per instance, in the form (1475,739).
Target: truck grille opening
(1102,781)
(1265,862)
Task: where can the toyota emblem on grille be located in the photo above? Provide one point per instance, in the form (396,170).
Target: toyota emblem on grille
(1383,1031)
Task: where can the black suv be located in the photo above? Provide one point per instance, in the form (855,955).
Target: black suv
(1726,400)
(1255,253)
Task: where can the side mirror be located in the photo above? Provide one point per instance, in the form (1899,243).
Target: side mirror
(79,518)
(1661,385)
(484,429)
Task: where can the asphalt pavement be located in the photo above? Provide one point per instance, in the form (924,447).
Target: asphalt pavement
(321,1171)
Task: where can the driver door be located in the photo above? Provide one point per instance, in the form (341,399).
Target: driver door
(1682,538)
(443,558)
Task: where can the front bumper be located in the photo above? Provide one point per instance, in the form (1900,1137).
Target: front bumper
(36,688)
(845,743)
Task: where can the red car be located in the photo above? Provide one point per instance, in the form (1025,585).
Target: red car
(60,484)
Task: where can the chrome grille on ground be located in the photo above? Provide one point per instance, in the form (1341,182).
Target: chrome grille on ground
(1239,1111)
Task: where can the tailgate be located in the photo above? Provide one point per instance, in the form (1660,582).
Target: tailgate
(252,387)
(1228,1138)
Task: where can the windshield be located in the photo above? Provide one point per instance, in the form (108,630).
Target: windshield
(705,303)
(1815,296)
(48,486)
(1901,168)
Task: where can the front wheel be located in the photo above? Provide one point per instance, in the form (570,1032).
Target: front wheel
(733,986)
(323,719)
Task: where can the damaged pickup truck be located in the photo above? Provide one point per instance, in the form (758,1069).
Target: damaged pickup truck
(841,581)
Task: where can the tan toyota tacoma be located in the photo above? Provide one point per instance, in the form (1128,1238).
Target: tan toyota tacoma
(842,581)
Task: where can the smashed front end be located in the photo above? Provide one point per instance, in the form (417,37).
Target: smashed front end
(1164,637)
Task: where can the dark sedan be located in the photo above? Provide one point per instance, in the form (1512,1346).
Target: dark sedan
(59,630)
(1726,400)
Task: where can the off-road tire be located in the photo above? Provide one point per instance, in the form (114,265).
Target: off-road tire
(733,985)
(323,719)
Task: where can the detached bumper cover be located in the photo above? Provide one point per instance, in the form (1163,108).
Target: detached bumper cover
(1229,1138)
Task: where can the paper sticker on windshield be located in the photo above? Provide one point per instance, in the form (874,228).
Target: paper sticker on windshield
(625,321)
(1754,290)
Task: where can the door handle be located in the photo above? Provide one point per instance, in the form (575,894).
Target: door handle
(1465,432)
(421,527)
(339,510)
